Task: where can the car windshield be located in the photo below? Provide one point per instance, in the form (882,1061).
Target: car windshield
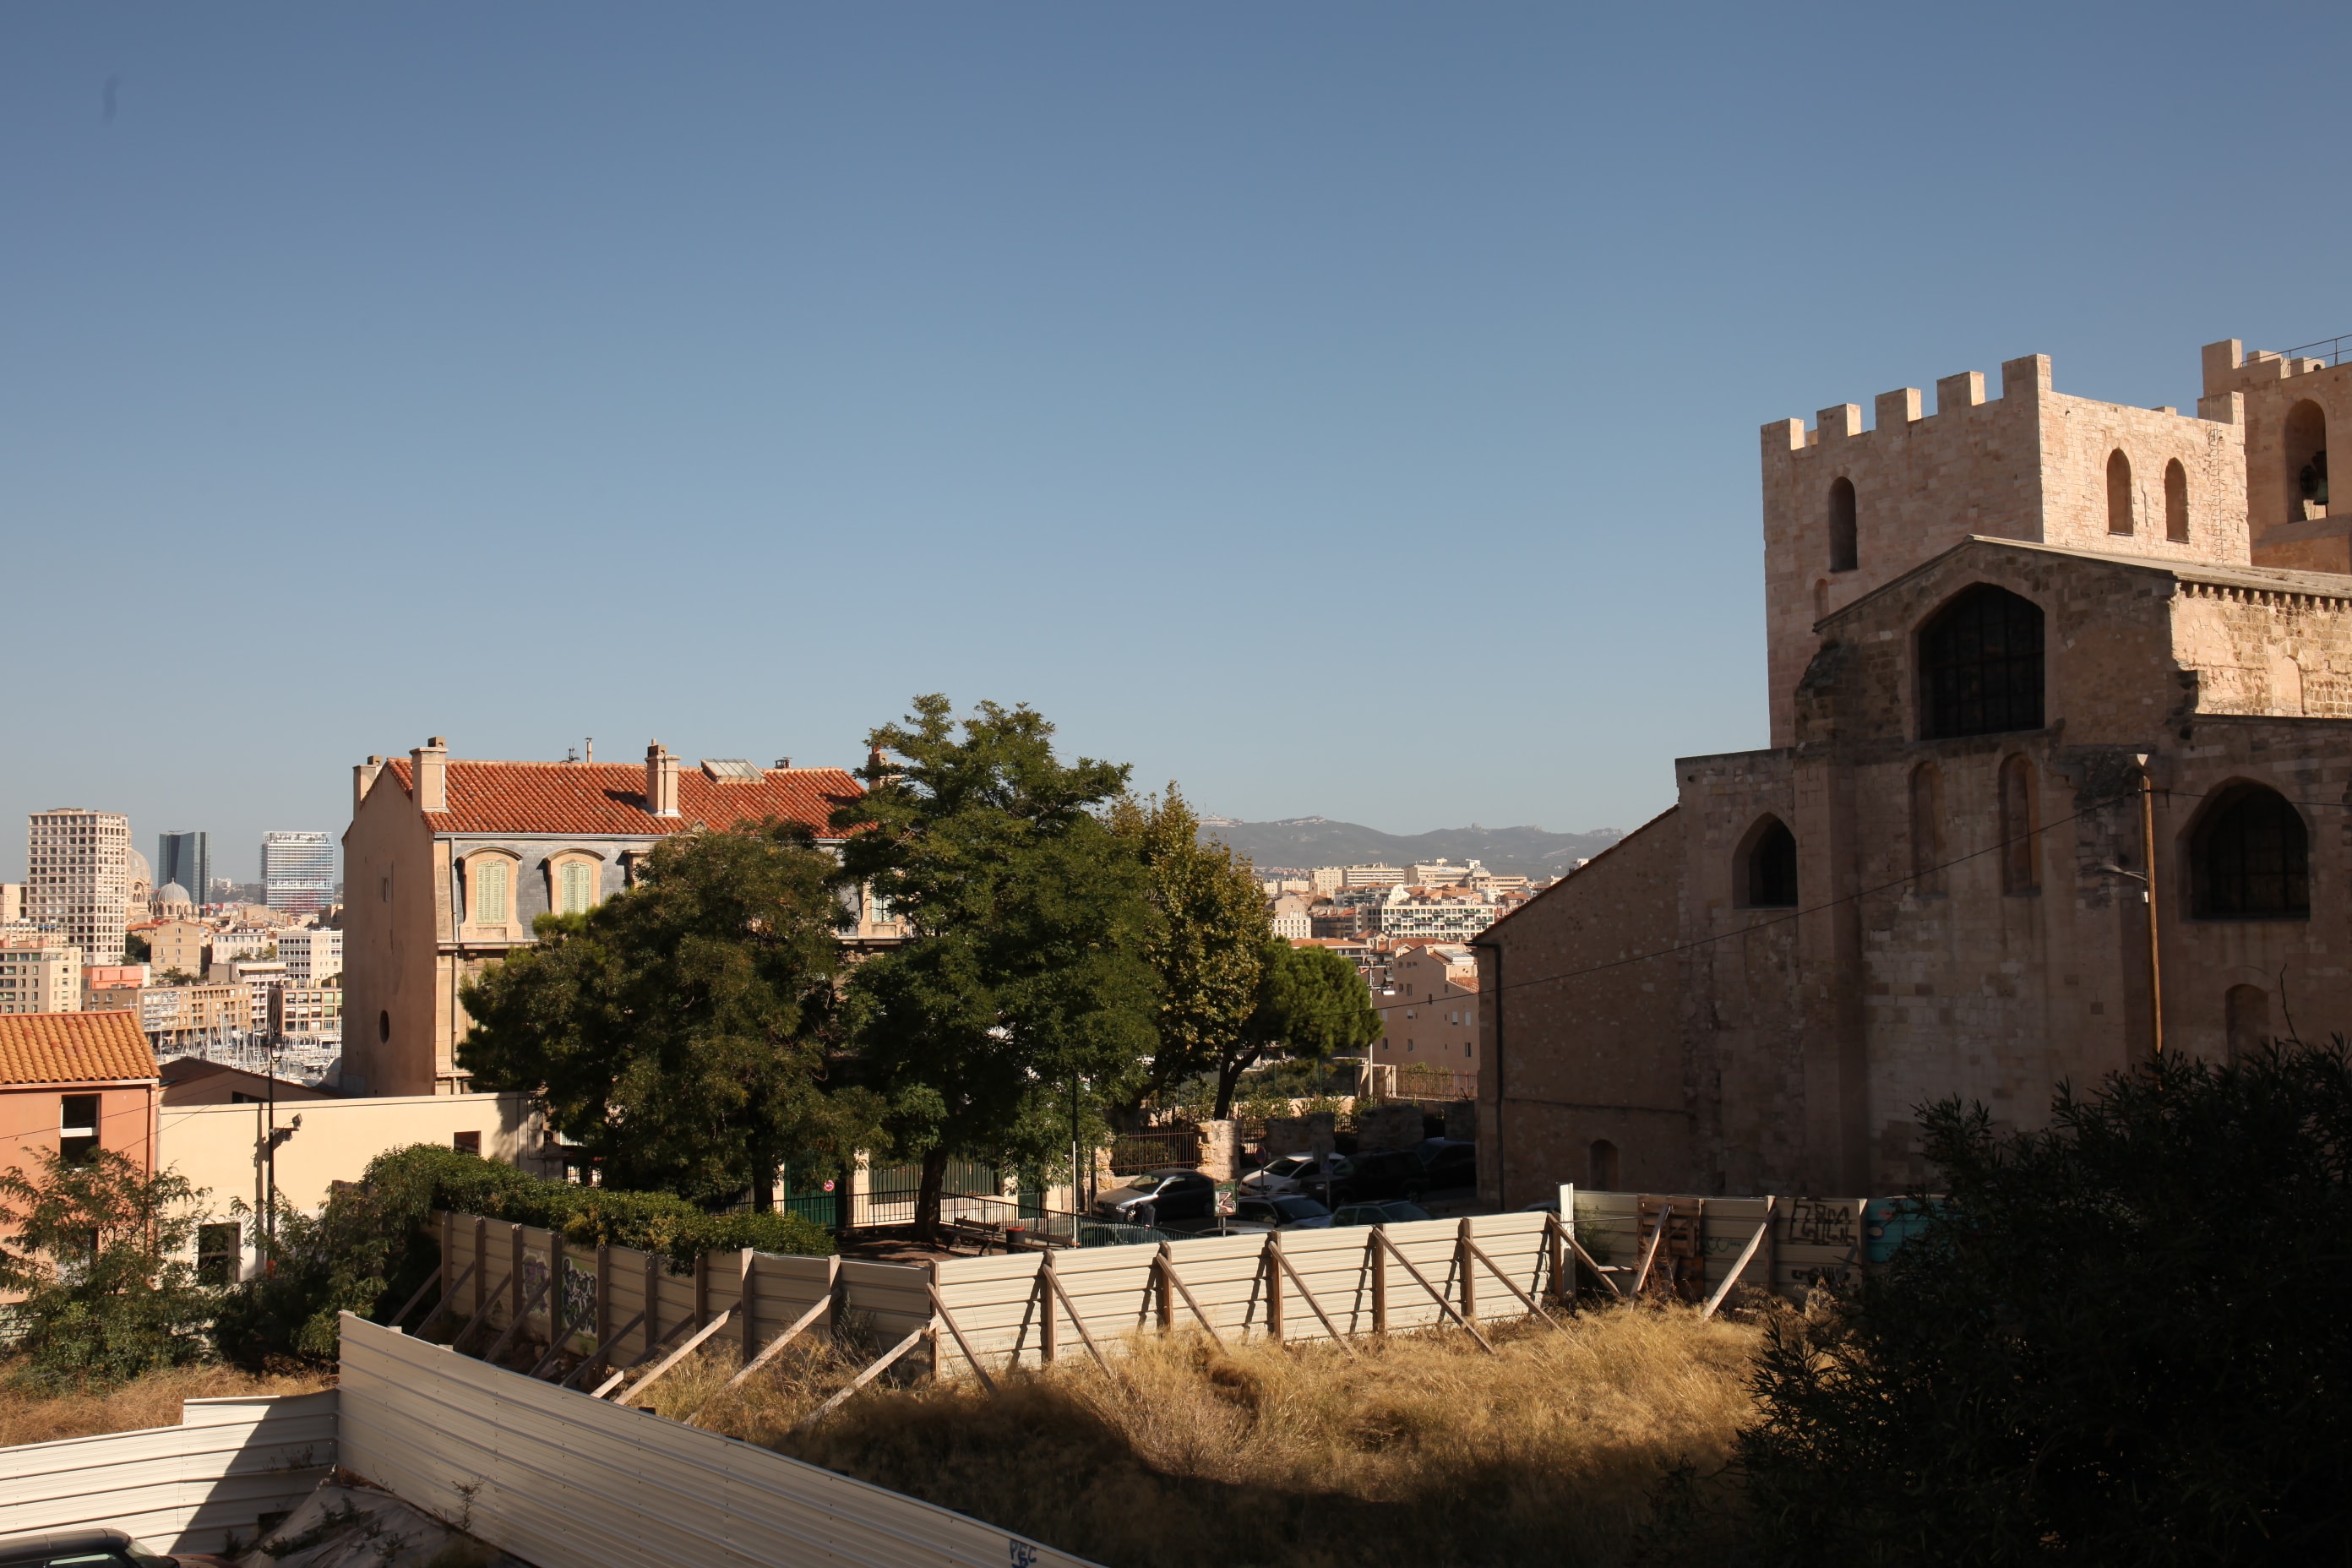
(1290,1165)
(1299,1208)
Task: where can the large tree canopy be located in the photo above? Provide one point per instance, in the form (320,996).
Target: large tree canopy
(678,1030)
(1022,970)
(1310,1003)
(1206,941)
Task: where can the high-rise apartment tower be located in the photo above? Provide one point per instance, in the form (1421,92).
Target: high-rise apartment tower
(298,871)
(77,878)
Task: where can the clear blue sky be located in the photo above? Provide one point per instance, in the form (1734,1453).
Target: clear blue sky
(1340,408)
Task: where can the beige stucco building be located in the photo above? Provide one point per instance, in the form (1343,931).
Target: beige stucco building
(1979,622)
(447,861)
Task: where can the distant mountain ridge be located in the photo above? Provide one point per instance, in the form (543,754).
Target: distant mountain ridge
(1319,841)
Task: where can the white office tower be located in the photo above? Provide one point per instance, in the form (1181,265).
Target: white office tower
(77,878)
(298,871)
(312,957)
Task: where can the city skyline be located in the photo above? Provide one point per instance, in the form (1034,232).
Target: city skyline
(1116,362)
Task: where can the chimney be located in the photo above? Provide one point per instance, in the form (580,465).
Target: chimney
(430,773)
(661,781)
(362,781)
(589,754)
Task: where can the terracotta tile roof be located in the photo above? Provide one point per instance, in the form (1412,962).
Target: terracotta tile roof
(73,1047)
(597,799)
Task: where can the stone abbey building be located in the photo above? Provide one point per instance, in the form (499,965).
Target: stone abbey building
(1985,626)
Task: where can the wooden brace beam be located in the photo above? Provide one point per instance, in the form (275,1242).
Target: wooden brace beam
(1313,1305)
(506,1334)
(1435,1293)
(680,1353)
(860,1381)
(939,1306)
(769,1352)
(1169,1276)
(1733,1278)
(479,1313)
(1650,1253)
(1525,1299)
(1054,1280)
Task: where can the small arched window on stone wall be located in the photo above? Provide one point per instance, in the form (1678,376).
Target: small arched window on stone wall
(2119,492)
(2249,858)
(1980,664)
(1600,1166)
(2021,829)
(1845,547)
(1926,829)
(1767,873)
(2305,444)
(2246,1020)
(2176,502)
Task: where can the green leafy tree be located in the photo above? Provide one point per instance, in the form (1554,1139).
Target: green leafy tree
(1023,968)
(678,1030)
(1310,1003)
(1207,942)
(91,1244)
(2120,1338)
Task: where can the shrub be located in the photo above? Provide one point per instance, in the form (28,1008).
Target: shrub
(371,1246)
(90,1246)
(2122,1338)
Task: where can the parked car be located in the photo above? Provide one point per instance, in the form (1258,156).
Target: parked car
(1158,1195)
(1383,1174)
(1452,1163)
(1295,1174)
(1397,1213)
(1287,1211)
(88,1546)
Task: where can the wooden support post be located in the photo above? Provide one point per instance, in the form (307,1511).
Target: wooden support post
(431,1282)
(1273,1272)
(449,1249)
(1557,1255)
(1048,1329)
(654,1334)
(559,1328)
(1054,1280)
(701,1289)
(1313,1305)
(1436,1294)
(603,1330)
(1377,1260)
(1525,1300)
(860,1381)
(1461,1250)
(747,1302)
(482,1261)
(940,1305)
(514,1286)
(1170,1277)
(1166,1292)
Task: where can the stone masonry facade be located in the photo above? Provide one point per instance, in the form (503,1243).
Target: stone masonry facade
(1962,912)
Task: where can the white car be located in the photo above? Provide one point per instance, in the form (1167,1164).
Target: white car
(1293,1173)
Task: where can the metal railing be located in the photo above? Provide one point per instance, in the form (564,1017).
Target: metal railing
(2328,349)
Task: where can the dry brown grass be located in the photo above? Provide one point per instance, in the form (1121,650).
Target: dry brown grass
(30,1415)
(1424,1450)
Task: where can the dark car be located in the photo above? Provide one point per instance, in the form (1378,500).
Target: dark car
(1159,1195)
(1382,1175)
(1380,1214)
(88,1546)
(1289,1211)
(1450,1165)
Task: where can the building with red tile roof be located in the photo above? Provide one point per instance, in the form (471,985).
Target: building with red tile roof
(70,1082)
(448,862)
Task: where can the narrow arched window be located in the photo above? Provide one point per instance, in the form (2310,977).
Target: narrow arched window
(2119,495)
(2176,502)
(1768,877)
(1927,828)
(1845,550)
(2246,1018)
(2021,837)
(1980,664)
(2305,444)
(576,888)
(2249,858)
(1600,1165)
(490,893)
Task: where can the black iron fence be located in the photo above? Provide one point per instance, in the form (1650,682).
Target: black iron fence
(1132,1153)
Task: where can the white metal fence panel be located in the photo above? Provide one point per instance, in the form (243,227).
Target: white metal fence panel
(572,1482)
(229,1463)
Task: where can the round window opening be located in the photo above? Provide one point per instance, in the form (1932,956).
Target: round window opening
(383,1026)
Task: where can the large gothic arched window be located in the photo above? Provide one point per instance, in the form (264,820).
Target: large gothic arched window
(1980,664)
(2251,859)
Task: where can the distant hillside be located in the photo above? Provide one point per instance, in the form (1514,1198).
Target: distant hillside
(1319,841)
